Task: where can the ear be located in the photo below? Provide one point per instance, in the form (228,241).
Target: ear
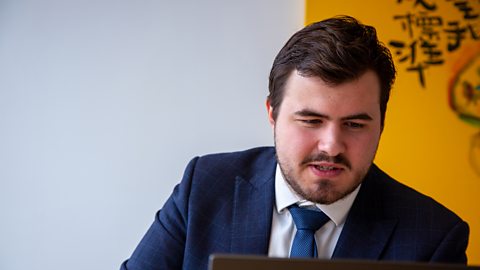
(270,113)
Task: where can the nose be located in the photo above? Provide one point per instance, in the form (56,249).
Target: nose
(331,140)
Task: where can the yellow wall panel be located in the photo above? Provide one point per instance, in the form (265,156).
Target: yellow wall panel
(431,139)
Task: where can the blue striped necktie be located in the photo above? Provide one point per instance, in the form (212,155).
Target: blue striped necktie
(307,223)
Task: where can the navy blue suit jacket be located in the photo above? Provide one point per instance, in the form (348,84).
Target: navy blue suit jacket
(224,204)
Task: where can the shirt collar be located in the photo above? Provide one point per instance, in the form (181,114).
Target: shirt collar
(286,196)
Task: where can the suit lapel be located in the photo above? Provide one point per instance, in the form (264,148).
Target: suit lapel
(253,206)
(366,231)
(362,239)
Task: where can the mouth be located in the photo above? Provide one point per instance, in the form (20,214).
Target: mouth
(326,170)
(325,167)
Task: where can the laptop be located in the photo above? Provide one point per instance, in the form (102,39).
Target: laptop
(243,262)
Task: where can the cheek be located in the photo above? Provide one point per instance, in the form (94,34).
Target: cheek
(364,149)
(296,141)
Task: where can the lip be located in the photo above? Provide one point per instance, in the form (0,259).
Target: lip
(333,171)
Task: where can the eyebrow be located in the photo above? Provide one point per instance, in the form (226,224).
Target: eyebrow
(310,113)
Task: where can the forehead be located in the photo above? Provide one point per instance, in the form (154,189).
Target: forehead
(361,94)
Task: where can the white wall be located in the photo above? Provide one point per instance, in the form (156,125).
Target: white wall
(102,104)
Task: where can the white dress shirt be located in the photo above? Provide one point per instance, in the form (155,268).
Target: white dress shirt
(283,228)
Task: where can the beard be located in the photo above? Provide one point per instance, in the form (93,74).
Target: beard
(325,190)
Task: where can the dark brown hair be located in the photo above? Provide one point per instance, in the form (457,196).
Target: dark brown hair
(337,50)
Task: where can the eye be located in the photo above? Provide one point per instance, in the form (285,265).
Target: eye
(310,122)
(354,125)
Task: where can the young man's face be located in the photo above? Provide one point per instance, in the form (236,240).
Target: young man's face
(326,136)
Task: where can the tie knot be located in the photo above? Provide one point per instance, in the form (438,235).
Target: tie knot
(306,219)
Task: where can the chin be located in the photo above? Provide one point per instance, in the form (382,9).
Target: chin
(325,197)
(326,192)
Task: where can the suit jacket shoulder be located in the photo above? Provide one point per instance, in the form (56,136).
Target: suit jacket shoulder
(223,204)
(246,163)
(397,222)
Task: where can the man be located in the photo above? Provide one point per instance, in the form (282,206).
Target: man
(329,88)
